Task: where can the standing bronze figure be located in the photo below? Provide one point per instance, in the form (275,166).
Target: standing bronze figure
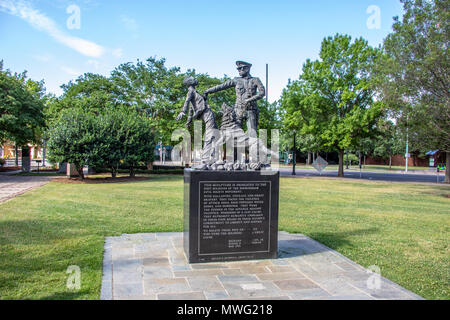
(248,90)
(200,110)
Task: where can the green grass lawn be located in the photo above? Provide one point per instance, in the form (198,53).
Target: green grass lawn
(402,228)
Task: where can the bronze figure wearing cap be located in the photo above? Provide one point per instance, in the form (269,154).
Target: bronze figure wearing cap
(248,90)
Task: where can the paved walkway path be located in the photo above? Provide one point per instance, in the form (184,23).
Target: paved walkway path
(12,186)
(153,266)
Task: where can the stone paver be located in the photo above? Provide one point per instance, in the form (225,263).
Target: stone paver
(12,186)
(153,266)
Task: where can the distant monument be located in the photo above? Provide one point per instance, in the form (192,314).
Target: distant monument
(230,207)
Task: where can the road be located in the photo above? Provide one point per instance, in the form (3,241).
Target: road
(375,176)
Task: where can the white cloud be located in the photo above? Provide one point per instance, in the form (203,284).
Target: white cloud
(70,71)
(129,23)
(94,63)
(40,21)
(118,53)
(43,58)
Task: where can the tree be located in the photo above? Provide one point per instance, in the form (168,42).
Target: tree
(413,74)
(108,140)
(114,137)
(21,108)
(72,138)
(123,136)
(91,92)
(152,89)
(139,141)
(332,100)
(388,142)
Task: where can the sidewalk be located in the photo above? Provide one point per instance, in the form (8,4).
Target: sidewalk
(11,186)
(153,266)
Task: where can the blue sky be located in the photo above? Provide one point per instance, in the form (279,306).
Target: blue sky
(208,36)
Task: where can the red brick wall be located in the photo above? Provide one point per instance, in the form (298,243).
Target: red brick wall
(399,160)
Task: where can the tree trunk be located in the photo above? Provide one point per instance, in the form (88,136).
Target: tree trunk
(390,161)
(346,162)
(447,170)
(113,172)
(132,173)
(80,172)
(341,163)
(309,159)
(16,163)
(359,156)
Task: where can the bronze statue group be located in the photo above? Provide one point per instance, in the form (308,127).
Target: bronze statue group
(248,91)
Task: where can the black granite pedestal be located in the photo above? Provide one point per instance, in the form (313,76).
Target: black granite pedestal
(230,215)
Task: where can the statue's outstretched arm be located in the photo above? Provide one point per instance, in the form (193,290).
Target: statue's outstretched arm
(189,97)
(226,85)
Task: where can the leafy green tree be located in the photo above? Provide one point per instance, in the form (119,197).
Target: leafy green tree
(123,136)
(138,141)
(388,142)
(413,75)
(332,100)
(152,89)
(294,114)
(114,137)
(91,92)
(107,149)
(21,108)
(72,139)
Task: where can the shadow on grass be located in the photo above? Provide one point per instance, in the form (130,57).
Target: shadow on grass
(289,248)
(336,240)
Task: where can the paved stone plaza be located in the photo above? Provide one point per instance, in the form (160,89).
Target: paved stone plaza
(153,266)
(12,186)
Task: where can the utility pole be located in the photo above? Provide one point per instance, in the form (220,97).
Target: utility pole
(267,104)
(407,101)
(293,158)
(407,145)
(160,152)
(267,84)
